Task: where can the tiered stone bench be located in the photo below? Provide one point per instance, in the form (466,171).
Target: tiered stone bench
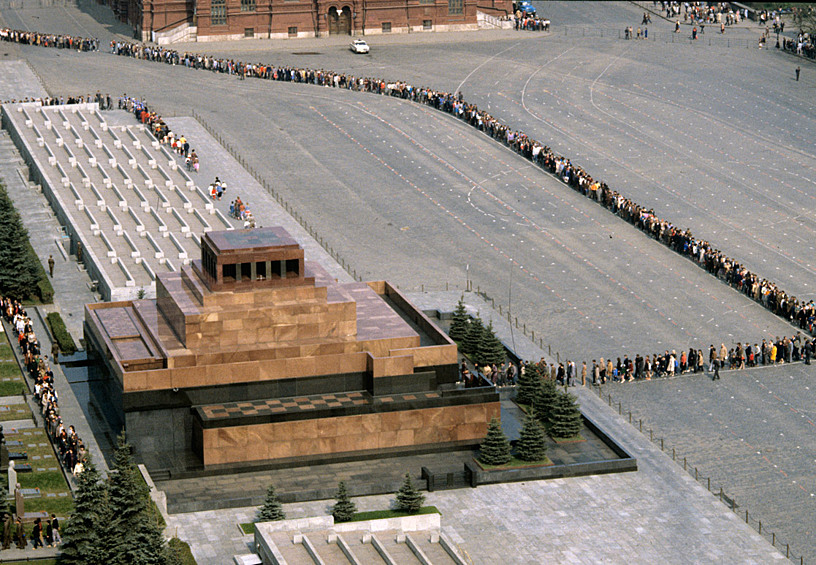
(117,191)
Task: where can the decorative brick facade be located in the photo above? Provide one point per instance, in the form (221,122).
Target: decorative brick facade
(160,20)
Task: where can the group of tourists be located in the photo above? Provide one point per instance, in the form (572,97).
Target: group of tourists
(71,450)
(669,364)
(160,130)
(49,40)
(531,23)
(802,45)
(240,211)
(14,530)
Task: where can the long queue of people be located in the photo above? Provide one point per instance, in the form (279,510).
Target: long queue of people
(71,450)
(731,271)
(779,351)
(49,40)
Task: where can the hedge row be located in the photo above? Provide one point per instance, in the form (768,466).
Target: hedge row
(44,289)
(60,333)
(180,551)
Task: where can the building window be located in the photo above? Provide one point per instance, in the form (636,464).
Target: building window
(427,25)
(249,32)
(455,6)
(386,27)
(247,5)
(427,1)
(218,12)
(292,32)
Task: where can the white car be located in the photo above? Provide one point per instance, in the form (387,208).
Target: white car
(360,46)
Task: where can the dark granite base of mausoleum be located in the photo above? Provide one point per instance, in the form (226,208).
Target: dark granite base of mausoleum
(382,472)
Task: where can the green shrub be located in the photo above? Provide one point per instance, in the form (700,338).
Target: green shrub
(60,333)
(179,553)
(44,289)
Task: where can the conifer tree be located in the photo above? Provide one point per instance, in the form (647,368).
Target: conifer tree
(544,400)
(565,418)
(491,349)
(131,536)
(470,343)
(529,381)
(272,509)
(344,508)
(18,268)
(531,445)
(409,498)
(459,324)
(82,544)
(495,449)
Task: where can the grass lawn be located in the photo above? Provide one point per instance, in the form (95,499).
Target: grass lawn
(379,514)
(12,388)
(5,351)
(515,463)
(47,481)
(10,369)
(248,528)
(16,412)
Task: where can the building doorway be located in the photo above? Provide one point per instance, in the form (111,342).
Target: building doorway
(340,21)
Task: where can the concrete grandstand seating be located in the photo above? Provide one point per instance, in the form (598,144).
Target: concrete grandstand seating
(117,190)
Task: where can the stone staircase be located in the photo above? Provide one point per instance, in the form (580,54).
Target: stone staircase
(121,193)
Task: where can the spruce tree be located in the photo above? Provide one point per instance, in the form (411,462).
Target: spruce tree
(131,536)
(531,445)
(82,543)
(495,449)
(409,498)
(491,349)
(529,381)
(470,343)
(19,272)
(565,418)
(344,509)
(272,509)
(461,321)
(544,400)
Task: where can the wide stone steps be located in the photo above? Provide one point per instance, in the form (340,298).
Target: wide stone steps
(137,211)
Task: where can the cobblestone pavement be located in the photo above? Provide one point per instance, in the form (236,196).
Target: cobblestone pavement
(752,432)
(658,514)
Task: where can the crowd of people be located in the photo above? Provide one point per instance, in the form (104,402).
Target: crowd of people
(49,40)
(70,448)
(160,130)
(529,22)
(655,365)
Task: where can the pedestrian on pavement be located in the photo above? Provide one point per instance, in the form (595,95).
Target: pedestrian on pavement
(20,533)
(716,376)
(55,350)
(51,264)
(36,534)
(798,70)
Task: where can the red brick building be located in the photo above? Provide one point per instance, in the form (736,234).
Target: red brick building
(166,21)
